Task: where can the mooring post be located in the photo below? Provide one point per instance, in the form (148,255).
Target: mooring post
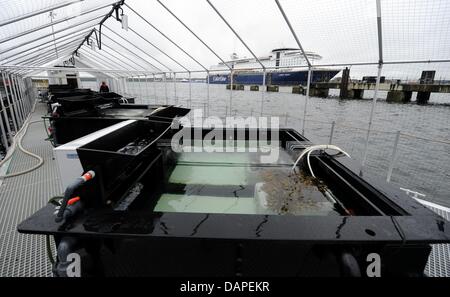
(343,92)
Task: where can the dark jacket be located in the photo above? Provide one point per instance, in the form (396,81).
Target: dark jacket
(104,89)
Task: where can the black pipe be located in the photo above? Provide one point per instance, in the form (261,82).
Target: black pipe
(66,246)
(349,265)
(69,192)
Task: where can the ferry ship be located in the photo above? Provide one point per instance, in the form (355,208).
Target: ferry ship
(279,74)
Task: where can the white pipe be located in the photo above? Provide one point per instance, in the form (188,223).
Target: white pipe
(17,141)
(314,148)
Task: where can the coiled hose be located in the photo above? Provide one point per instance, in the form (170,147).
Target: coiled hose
(17,142)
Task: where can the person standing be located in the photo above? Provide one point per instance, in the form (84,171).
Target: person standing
(104,88)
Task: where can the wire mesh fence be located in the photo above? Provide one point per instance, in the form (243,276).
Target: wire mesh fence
(417,158)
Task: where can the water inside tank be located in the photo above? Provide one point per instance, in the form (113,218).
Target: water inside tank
(241,183)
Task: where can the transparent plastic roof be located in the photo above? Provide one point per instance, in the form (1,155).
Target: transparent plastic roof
(158,38)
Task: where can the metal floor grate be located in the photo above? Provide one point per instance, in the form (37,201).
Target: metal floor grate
(20,197)
(25,255)
(439,261)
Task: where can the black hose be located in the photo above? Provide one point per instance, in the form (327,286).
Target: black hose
(67,195)
(69,192)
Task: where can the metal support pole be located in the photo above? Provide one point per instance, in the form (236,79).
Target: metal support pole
(22,98)
(196,36)
(65,40)
(110,84)
(175,87)
(377,86)
(29,89)
(51,34)
(236,34)
(147,96)
(231,89)
(4,134)
(138,48)
(26,93)
(132,84)
(293,32)
(119,85)
(19,99)
(190,90)
(132,53)
(40,51)
(34,13)
(10,100)
(263,92)
(116,84)
(308,84)
(154,87)
(46,25)
(333,124)
(117,59)
(124,85)
(207,90)
(5,114)
(166,37)
(157,48)
(372,112)
(165,88)
(16,100)
(141,89)
(394,157)
(40,57)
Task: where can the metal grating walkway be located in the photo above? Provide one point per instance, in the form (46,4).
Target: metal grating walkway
(439,261)
(20,197)
(25,255)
